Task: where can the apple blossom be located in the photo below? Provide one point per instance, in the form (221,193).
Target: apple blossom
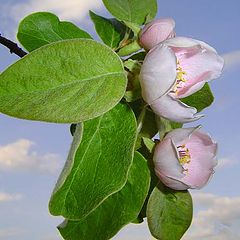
(157,31)
(175,69)
(185,158)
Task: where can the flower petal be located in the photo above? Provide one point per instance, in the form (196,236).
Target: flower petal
(203,149)
(181,135)
(156,32)
(200,67)
(203,159)
(174,183)
(197,177)
(166,160)
(174,110)
(191,90)
(158,73)
(187,42)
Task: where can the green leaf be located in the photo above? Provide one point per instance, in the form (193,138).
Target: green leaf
(111,31)
(99,166)
(150,144)
(133,11)
(63,82)
(116,211)
(169,213)
(41,28)
(134,27)
(201,99)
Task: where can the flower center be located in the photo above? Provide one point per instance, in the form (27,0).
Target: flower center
(181,80)
(184,156)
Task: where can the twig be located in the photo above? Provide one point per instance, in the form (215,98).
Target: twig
(12,46)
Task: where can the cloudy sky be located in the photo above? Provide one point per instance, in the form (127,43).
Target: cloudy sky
(32,153)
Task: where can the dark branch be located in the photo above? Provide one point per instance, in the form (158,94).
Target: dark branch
(13,47)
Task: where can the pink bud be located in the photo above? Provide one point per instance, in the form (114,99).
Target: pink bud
(157,31)
(185,158)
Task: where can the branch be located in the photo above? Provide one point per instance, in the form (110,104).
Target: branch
(13,47)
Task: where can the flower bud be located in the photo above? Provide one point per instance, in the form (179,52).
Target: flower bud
(157,31)
(185,158)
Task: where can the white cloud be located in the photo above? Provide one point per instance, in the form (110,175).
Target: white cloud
(226,162)
(232,60)
(75,10)
(203,199)
(11,232)
(19,156)
(218,218)
(6,197)
(71,10)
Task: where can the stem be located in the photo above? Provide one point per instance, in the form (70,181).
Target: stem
(129,49)
(12,46)
(134,27)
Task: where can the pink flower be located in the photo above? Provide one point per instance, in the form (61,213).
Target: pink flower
(185,158)
(157,31)
(176,69)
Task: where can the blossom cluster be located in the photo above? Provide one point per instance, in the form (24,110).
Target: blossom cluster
(175,68)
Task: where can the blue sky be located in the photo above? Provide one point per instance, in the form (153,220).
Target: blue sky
(32,153)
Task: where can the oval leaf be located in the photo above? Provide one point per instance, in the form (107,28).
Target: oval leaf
(201,99)
(116,211)
(111,31)
(100,166)
(41,28)
(169,213)
(133,11)
(64,82)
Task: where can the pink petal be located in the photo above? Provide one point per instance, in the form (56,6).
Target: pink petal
(197,177)
(194,88)
(187,42)
(166,160)
(199,60)
(167,166)
(181,135)
(173,183)
(202,149)
(174,110)
(203,159)
(156,31)
(199,67)
(158,73)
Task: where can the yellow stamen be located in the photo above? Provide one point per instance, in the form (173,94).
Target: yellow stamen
(180,78)
(184,154)
(185,159)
